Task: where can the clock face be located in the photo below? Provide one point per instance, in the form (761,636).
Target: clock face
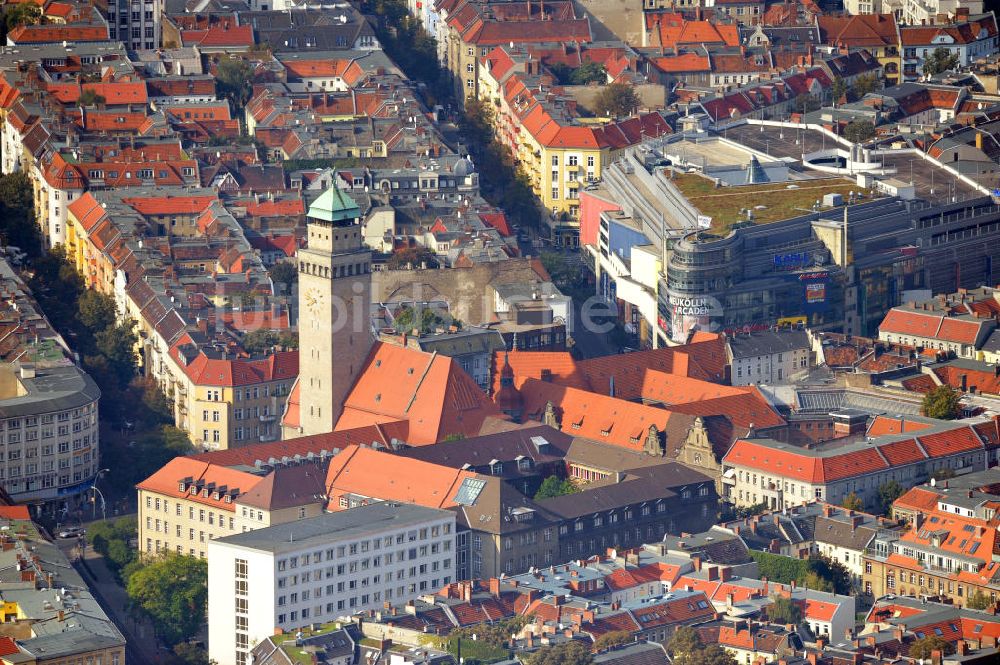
(314,300)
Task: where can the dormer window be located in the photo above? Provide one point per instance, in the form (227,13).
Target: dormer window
(182,487)
(215,496)
(204,494)
(228,498)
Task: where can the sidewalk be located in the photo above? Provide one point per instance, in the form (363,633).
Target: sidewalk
(141,641)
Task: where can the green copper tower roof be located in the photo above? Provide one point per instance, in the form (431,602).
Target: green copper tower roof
(334,205)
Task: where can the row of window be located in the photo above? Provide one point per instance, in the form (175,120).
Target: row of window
(46,419)
(363,546)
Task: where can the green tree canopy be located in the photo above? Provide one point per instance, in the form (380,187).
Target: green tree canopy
(804,103)
(686,648)
(853,502)
(611,640)
(588,72)
(784,610)
(567,653)
(235,80)
(173,591)
(412,256)
(685,640)
(940,60)
(91,98)
(888,492)
(864,84)
(978,600)
(818,572)
(943,402)
(17,214)
(263,340)
(859,131)
(285,273)
(555,486)
(616,100)
(838,90)
(16,15)
(925,646)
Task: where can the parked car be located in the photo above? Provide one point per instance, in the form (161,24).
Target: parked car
(72,532)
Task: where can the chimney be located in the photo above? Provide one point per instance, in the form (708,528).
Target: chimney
(712,572)
(696,562)
(62,616)
(725,574)
(961,648)
(811,656)
(494,586)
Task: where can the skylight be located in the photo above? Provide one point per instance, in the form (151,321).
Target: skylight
(469,491)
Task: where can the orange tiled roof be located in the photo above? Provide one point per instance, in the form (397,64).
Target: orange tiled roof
(167,480)
(170,205)
(432,392)
(380,475)
(887,425)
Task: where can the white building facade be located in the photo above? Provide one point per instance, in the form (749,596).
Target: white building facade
(317,570)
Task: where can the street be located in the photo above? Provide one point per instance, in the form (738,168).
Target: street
(141,645)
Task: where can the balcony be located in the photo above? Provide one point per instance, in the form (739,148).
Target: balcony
(266,418)
(573,168)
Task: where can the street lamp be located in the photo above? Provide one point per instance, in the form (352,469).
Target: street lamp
(104,511)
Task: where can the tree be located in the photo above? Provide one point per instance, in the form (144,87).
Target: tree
(588,72)
(259,341)
(943,402)
(713,654)
(864,84)
(978,600)
(685,640)
(90,98)
(611,640)
(838,90)
(924,647)
(943,474)
(187,653)
(555,486)
(173,591)
(111,540)
(16,15)
(804,103)
(859,131)
(567,653)
(97,311)
(784,610)
(812,580)
(286,273)
(17,214)
(888,492)
(235,77)
(616,100)
(939,61)
(416,257)
(853,502)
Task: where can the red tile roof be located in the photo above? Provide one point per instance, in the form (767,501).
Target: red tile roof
(167,480)
(380,475)
(50,34)
(205,371)
(888,425)
(432,392)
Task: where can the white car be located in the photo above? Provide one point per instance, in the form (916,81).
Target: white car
(72,532)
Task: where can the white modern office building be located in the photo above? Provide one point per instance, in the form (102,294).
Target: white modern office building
(316,570)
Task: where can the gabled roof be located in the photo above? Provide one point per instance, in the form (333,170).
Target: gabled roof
(380,475)
(432,392)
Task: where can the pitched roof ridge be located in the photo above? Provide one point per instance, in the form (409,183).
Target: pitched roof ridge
(420,381)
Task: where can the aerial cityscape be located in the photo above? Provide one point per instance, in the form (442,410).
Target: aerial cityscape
(499,332)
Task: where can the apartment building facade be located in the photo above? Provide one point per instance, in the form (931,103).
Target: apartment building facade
(316,570)
(761,470)
(190,502)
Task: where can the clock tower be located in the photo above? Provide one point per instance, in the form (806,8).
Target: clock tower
(335,335)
